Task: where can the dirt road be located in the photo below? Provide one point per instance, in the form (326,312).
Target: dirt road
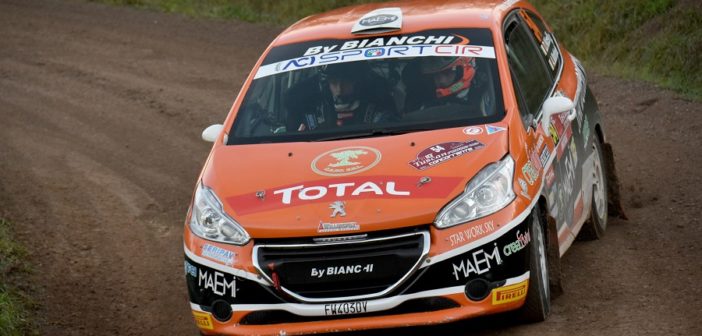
(100,114)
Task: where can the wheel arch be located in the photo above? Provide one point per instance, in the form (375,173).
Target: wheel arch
(599,132)
(615,207)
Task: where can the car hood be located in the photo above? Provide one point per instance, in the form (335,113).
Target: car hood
(350,186)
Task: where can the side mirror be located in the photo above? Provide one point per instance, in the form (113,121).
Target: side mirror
(553,106)
(211,133)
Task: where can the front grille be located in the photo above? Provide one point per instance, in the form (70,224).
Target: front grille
(326,272)
(422,305)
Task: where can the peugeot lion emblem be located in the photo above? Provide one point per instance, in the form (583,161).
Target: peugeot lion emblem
(337,209)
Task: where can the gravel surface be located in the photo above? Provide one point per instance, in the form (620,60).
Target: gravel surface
(101,110)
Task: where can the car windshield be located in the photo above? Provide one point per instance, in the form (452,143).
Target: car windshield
(342,89)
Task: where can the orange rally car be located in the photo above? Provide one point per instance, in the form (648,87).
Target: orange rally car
(397,164)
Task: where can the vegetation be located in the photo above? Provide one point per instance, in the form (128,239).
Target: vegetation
(654,40)
(14,304)
(268,11)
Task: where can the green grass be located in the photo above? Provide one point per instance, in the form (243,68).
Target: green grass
(659,41)
(278,12)
(14,303)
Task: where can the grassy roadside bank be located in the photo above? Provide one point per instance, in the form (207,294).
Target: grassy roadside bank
(659,41)
(14,303)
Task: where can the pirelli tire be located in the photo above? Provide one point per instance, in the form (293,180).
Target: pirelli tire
(594,228)
(537,306)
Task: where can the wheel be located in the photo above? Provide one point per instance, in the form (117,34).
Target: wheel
(538,301)
(594,227)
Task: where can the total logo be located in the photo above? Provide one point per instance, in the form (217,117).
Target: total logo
(344,189)
(303,193)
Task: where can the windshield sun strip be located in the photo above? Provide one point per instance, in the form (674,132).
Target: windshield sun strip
(375,53)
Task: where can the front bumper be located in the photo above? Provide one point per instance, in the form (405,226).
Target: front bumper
(488,275)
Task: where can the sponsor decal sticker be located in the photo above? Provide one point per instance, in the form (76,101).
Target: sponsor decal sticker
(530,172)
(216,282)
(345,308)
(416,40)
(543,158)
(341,189)
(585,132)
(524,189)
(337,227)
(522,184)
(510,293)
(443,152)
(217,253)
(494,129)
(550,176)
(554,133)
(375,52)
(323,272)
(379,47)
(345,188)
(522,241)
(473,130)
(203,320)
(534,158)
(567,184)
(190,269)
(563,143)
(477,263)
(379,19)
(581,91)
(346,161)
(546,43)
(539,142)
(471,233)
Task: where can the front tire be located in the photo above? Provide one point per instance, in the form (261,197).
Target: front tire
(594,228)
(538,302)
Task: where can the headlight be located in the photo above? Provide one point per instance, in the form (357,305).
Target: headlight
(209,221)
(486,193)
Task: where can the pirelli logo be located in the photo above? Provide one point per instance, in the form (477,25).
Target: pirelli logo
(510,293)
(203,320)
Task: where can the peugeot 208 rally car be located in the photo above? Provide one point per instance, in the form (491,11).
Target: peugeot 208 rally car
(396,164)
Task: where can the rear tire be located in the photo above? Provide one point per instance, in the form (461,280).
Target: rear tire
(538,302)
(594,228)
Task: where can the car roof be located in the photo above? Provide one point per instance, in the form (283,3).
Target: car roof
(417,15)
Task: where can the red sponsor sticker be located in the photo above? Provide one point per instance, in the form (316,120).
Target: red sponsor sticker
(347,188)
(564,141)
(550,176)
(558,128)
(443,152)
(535,159)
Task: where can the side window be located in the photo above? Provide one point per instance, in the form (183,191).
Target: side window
(531,76)
(545,39)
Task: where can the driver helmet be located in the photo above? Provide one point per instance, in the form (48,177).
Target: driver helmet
(452,75)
